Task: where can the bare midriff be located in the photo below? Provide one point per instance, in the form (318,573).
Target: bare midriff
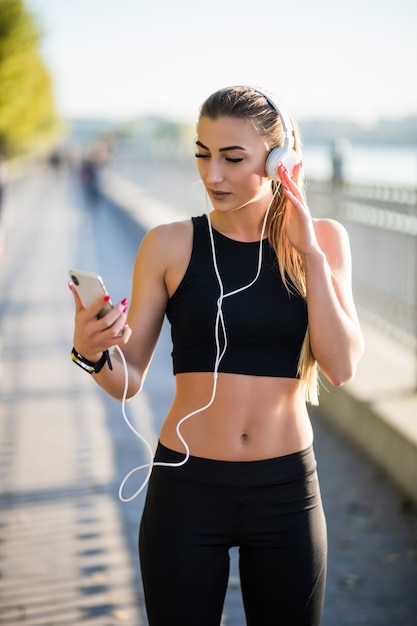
(251,418)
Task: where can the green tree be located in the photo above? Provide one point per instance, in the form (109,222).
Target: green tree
(27,114)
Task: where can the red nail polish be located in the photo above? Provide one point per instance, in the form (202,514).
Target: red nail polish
(124,301)
(125,309)
(106,298)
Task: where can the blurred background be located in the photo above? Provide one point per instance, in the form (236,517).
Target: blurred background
(98,103)
(135,68)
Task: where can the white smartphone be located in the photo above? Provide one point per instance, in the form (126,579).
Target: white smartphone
(89,287)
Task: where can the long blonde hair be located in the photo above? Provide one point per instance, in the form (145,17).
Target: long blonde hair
(249,104)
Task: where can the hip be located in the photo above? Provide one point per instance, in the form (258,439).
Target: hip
(217,497)
(282,469)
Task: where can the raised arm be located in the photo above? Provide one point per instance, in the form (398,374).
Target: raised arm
(335,335)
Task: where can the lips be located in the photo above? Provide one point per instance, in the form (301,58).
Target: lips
(219,195)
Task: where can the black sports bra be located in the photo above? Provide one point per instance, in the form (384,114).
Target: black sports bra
(265,325)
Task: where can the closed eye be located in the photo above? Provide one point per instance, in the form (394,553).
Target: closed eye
(229,159)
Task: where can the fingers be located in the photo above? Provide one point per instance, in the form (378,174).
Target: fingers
(294,175)
(284,174)
(296,172)
(113,324)
(97,309)
(290,183)
(286,181)
(95,333)
(123,335)
(78,303)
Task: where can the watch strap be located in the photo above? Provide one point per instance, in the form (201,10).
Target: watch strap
(89,366)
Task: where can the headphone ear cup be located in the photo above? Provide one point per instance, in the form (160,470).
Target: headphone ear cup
(289,158)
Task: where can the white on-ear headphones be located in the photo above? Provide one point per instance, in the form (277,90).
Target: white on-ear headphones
(286,153)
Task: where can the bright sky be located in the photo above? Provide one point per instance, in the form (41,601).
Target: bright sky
(325,58)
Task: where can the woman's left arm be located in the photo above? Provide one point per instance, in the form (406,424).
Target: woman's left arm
(335,334)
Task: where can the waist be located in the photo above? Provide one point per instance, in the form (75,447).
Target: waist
(275,470)
(249,418)
(242,394)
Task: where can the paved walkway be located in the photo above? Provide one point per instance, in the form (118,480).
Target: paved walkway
(67,551)
(64,556)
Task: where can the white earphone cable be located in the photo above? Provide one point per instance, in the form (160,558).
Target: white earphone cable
(220,351)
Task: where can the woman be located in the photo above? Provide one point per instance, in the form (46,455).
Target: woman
(258,294)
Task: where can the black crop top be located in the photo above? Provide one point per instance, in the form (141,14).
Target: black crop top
(265,324)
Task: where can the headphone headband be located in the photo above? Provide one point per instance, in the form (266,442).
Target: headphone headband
(284,154)
(287,126)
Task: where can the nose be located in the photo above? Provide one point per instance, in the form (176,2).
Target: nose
(214,172)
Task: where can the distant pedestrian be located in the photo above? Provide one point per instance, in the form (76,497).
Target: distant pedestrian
(340,149)
(56,158)
(95,158)
(258,296)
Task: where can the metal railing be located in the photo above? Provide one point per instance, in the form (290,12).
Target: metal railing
(382,226)
(381,222)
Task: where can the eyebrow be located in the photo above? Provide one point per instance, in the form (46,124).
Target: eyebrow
(226,149)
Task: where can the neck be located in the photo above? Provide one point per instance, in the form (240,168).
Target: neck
(246,228)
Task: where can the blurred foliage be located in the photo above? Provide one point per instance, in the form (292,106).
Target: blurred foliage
(27,114)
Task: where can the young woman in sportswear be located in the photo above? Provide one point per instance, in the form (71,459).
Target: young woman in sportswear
(259,296)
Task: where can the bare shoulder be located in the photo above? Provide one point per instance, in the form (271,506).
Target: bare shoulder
(329,229)
(333,239)
(166,240)
(164,233)
(165,253)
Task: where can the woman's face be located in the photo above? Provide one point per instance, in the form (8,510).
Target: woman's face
(231,160)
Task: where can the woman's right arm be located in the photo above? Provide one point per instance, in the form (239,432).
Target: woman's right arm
(142,325)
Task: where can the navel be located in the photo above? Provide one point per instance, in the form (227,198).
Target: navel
(244,438)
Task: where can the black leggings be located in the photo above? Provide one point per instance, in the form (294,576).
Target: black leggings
(195,513)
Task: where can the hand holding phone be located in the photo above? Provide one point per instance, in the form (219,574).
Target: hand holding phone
(89,287)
